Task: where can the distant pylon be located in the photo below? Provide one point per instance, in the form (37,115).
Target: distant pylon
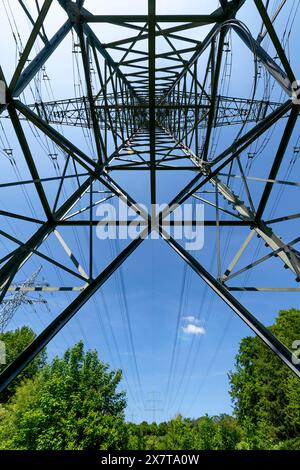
(20,297)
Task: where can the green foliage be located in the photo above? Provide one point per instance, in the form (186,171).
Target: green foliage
(217,433)
(205,433)
(290,444)
(179,434)
(15,342)
(265,393)
(71,404)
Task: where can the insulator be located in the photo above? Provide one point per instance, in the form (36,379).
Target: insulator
(76,49)
(9,152)
(251,155)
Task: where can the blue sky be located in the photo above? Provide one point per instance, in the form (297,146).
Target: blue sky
(154,291)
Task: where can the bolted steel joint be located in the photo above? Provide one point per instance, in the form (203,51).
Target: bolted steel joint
(73,9)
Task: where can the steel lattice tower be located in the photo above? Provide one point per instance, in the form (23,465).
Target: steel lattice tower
(149,120)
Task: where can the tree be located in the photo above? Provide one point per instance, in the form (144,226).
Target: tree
(15,342)
(205,430)
(179,434)
(205,433)
(265,393)
(71,404)
(228,432)
(136,440)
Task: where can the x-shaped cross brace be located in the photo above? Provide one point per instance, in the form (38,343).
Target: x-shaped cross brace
(56,325)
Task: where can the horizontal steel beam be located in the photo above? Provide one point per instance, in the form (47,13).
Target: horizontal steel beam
(201,19)
(165,223)
(264,289)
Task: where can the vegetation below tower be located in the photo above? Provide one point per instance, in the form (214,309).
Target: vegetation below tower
(73,402)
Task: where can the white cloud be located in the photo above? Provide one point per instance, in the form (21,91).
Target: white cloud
(191,329)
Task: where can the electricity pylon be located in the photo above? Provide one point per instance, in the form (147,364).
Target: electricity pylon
(20,296)
(155,112)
